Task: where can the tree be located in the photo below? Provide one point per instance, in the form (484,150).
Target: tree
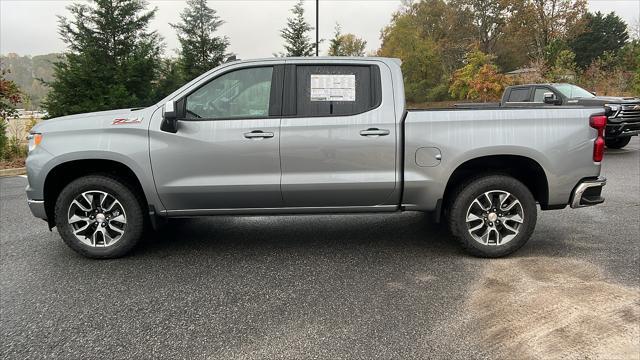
(603,33)
(564,68)
(346,44)
(488,18)
(10,97)
(297,42)
(630,61)
(169,79)
(111,60)
(479,79)
(449,28)
(336,43)
(538,23)
(200,50)
(422,66)
(430,37)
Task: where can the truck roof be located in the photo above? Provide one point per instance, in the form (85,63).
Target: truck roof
(535,84)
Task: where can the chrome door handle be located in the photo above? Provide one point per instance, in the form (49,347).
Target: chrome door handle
(375,132)
(258,134)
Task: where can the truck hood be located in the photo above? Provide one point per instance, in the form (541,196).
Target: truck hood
(93,120)
(601,100)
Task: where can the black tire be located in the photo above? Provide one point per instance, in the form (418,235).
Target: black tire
(617,143)
(464,196)
(120,190)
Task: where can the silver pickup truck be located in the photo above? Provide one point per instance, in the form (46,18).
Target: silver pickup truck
(310,135)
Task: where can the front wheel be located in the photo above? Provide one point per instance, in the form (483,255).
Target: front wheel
(617,143)
(493,215)
(99,216)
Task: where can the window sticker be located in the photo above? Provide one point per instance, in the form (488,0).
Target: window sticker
(333,87)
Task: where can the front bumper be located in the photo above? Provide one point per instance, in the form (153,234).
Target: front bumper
(617,130)
(588,193)
(37,208)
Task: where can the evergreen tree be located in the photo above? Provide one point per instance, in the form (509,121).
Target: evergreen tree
(111,59)
(201,50)
(169,79)
(603,33)
(336,42)
(297,43)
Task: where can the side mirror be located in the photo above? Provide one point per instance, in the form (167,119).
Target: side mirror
(550,98)
(169,117)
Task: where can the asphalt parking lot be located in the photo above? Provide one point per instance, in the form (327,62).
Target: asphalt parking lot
(339,286)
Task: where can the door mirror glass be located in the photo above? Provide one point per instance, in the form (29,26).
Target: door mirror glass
(170,109)
(551,98)
(169,117)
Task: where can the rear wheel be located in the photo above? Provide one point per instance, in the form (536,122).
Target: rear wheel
(492,216)
(99,216)
(617,143)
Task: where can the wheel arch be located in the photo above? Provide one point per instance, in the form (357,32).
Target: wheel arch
(65,172)
(523,168)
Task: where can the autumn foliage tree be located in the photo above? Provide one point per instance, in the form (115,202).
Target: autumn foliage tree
(10,97)
(478,80)
(346,44)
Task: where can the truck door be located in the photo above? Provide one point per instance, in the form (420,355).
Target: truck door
(225,154)
(519,96)
(338,136)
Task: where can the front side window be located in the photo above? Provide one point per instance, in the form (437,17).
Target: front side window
(538,97)
(242,93)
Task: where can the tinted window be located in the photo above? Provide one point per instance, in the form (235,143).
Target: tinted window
(519,95)
(242,93)
(539,94)
(336,90)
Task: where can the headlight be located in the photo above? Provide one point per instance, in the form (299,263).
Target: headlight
(34,140)
(614,107)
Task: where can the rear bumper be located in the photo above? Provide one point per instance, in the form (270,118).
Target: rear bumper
(588,193)
(37,208)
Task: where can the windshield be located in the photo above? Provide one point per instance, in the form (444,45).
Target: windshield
(572,91)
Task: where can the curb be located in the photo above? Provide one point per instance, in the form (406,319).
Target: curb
(13,172)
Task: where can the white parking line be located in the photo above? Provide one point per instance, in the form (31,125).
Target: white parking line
(23,176)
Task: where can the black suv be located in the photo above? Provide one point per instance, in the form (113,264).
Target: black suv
(624,115)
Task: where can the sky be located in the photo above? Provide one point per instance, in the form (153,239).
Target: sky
(29,27)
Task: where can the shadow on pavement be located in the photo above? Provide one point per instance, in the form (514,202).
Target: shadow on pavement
(391,232)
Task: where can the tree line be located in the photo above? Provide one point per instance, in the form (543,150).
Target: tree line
(450,50)
(114,61)
(460,49)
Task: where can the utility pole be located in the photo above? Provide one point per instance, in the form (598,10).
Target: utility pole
(317,27)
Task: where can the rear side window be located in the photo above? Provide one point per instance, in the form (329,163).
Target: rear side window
(332,90)
(519,95)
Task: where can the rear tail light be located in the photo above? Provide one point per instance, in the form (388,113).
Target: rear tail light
(598,122)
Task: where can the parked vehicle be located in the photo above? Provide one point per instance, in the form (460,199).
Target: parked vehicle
(311,135)
(623,115)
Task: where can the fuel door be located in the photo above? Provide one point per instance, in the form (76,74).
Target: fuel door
(428,156)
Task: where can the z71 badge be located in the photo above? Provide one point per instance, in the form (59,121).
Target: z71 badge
(126,121)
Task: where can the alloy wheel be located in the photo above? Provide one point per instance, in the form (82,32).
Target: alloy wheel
(97,218)
(494,218)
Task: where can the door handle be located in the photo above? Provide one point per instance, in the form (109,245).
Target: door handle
(375,132)
(258,134)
